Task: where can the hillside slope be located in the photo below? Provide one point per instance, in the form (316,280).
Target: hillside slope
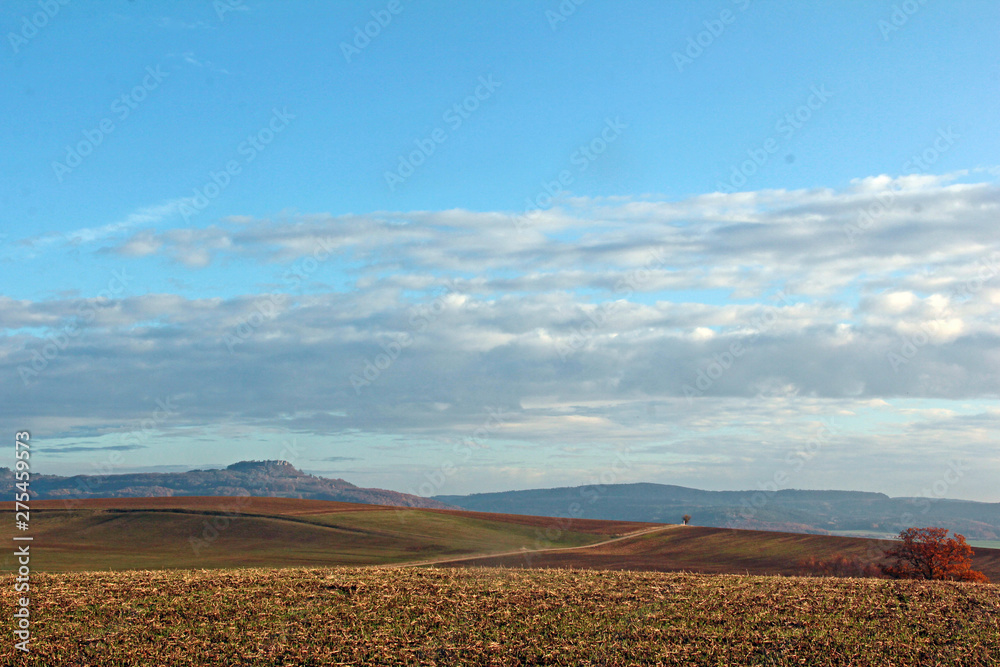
(246,478)
(711,551)
(194,532)
(821,512)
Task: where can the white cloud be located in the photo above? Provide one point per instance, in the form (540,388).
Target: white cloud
(144,216)
(587,329)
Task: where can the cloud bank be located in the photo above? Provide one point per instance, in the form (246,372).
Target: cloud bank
(708,334)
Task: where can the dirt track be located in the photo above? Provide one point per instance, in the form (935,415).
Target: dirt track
(464,559)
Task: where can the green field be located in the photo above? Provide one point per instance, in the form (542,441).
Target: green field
(985,544)
(193,533)
(375,616)
(103,539)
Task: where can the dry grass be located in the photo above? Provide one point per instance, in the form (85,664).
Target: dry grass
(714,551)
(200,534)
(368,616)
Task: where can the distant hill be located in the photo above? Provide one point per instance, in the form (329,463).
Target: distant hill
(200,532)
(820,512)
(278,479)
(222,532)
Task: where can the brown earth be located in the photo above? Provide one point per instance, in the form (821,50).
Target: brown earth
(709,550)
(681,548)
(301,507)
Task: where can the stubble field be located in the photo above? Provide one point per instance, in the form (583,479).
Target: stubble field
(485,616)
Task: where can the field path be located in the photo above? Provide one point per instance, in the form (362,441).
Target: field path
(462,559)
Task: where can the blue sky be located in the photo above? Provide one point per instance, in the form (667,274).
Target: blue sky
(243,204)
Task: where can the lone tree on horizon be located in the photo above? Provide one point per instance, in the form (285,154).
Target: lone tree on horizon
(928,553)
(686,518)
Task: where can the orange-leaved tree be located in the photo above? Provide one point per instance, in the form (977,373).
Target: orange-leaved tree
(928,553)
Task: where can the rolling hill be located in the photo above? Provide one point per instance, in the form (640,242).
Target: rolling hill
(710,551)
(278,479)
(847,513)
(196,532)
(820,512)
